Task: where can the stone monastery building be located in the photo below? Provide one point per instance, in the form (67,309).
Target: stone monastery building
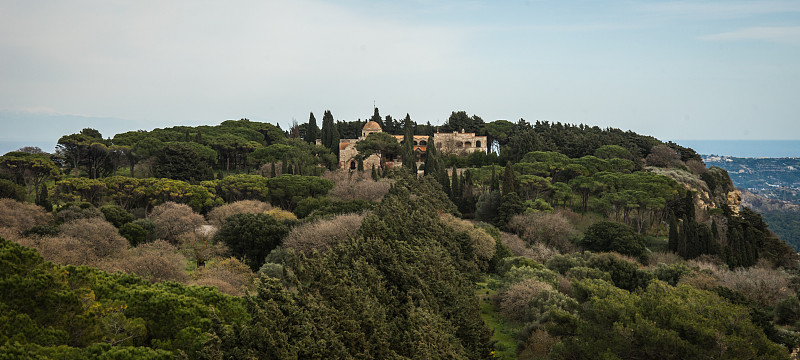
(459,143)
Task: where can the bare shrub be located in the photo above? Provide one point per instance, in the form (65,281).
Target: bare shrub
(663,156)
(515,244)
(218,215)
(514,300)
(199,245)
(666,258)
(483,244)
(171,220)
(703,280)
(100,237)
(766,286)
(696,166)
(230,276)
(552,229)
(61,249)
(156,261)
(19,216)
(354,185)
(538,345)
(321,235)
(281,215)
(703,264)
(541,252)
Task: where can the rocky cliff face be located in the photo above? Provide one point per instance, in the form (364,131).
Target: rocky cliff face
(713,189)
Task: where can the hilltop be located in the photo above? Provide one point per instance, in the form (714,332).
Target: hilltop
(244,240)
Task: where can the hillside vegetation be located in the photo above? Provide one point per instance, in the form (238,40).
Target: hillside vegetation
(242,240)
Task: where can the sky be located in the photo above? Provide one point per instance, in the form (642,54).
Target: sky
(670,69)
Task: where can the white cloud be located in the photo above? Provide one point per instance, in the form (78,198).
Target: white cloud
(780,34)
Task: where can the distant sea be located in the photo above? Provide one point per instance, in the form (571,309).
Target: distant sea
(745,148)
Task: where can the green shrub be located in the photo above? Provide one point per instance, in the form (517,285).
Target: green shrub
(12,191)
(116,215)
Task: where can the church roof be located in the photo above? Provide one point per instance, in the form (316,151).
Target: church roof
(372,126)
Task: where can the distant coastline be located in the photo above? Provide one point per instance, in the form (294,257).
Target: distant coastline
(745,148)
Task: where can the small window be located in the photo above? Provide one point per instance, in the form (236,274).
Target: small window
(423,142)
(478,143)
(352,165)
(459,144)
(467,144)
(415,143)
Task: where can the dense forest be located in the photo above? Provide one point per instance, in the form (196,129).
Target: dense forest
(244,241)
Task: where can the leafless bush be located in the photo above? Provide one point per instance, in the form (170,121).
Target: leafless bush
(483,244)
(697,167)
(515,244)
(156,261)
(514,300)
(171,220)
(354,185)
(199,245)
(703,280)
(62,249)
(281,215)
(100,236)
(663,156)
(552,229)
(666,258)
(218,215)
(541,252)
(230,276)
(19,216)
(538,345)
(766,286)
(321,235)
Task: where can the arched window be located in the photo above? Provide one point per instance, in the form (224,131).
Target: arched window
(415,143)
(423,142)
(459,144)
(467,144)
(478,143)
(352,165)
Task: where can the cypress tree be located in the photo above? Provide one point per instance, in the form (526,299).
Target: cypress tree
(673,235)
(409,160)
(495,184)
(376,117)
(454,187)
(272,170)
(444,180)
(468,196)
(284,167)
(330,134)
(431,160)
(374,173)
(360,166)
(509,179)
(42,198)
(312,130)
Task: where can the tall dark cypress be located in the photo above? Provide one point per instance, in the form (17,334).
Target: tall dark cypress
(455,189)
(495,184)
(431,160)
(509,180)
(673,235)
(312,130)
(330,134)
(409,159)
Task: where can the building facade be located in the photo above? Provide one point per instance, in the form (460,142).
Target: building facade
(457,143)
